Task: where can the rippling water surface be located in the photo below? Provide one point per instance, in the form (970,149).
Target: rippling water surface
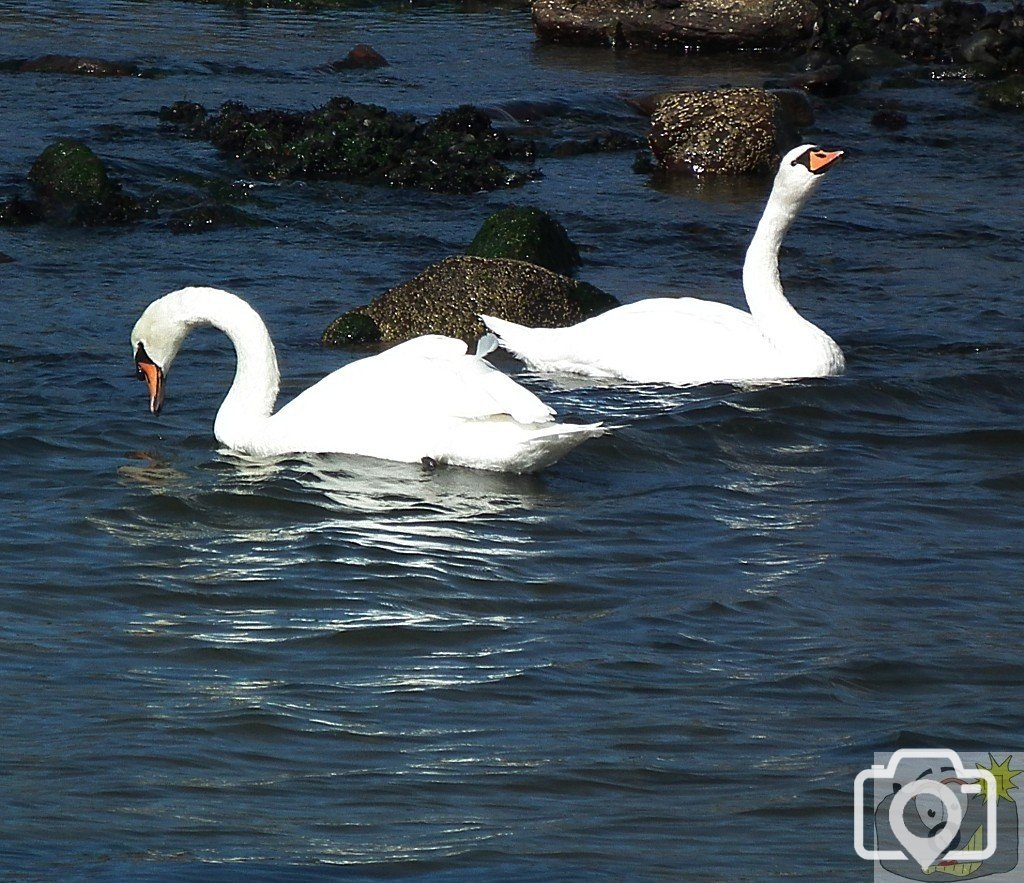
(667,656)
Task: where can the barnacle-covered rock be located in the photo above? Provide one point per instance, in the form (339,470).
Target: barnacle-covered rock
(448,297)
(683,25)
(719,132)
(526,233)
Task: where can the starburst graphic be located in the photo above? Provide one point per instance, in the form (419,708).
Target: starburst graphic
(1003,775)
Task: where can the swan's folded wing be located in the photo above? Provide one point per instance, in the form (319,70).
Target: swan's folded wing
(427,378)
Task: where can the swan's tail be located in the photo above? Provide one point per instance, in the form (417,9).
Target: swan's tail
(549,444)
(506,445)
(517,339)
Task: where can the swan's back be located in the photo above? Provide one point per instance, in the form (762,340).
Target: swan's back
(426,398)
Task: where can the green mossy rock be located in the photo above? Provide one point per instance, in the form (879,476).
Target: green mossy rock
(1005,94)
(524,233)
(456,152)
(72,186)
(448,298)
(69,172)
(352,328)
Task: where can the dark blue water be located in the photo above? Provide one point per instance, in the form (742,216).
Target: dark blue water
(665,657)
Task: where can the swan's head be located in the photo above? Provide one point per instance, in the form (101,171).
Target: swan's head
(803,169)
(156,339)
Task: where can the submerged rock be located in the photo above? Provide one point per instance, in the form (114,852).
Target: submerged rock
(72,64)
(209,216)
(456,152)
(362,55)
(71,186)
(525,233)
(719,132)
(684,25)
(1006,94)
(448,297)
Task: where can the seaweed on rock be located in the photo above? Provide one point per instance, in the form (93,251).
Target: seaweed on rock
(456,152)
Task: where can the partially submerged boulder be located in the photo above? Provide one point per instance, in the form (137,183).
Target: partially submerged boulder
(448,297)
(76,65)
(456,152)
(360,56)
(526,233)
(682,25)
(721,131)
(71,186)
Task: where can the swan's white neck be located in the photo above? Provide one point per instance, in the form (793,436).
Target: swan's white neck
(795,339)
(250,401)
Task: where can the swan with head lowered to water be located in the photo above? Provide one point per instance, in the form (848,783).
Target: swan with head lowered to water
(689,341)
(426,400)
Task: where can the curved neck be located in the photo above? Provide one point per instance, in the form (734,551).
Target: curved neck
(761,284)
(253,393)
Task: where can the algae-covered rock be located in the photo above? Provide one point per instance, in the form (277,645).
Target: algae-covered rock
(76,65)
(209,216)
(525,233)
(456,152)
(1005,94)
(683,25)
(72,186)
(722,131)
(448,297)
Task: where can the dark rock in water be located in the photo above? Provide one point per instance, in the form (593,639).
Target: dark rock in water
(6,258)
(208,216)
(456,152)
(362,55)
(72,186)
(18,212)
(1006,94)
(524,233)
(184,113)
(709,25)
(604,142)
(866,58)
(447,298)
(891,120)
(719,132)
(73,64)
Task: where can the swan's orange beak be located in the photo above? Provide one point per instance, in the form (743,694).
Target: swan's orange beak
(819,160)
(146,369)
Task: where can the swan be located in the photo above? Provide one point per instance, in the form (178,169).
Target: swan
(425,400)
(687,341)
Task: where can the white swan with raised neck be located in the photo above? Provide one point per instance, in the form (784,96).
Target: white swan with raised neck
(690,341)
(424,400)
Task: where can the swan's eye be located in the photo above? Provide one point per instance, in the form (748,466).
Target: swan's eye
(141,358)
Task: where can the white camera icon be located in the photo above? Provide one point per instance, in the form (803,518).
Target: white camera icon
(942,800)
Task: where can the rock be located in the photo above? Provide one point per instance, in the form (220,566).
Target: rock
(683,25)
(72,186)
(1007,94)
(6,258)
(74,64)
(524,233)
(719,132)
(18,212)
(456,152)
(208,216)
(362,55)
(891,120)
(448,297)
